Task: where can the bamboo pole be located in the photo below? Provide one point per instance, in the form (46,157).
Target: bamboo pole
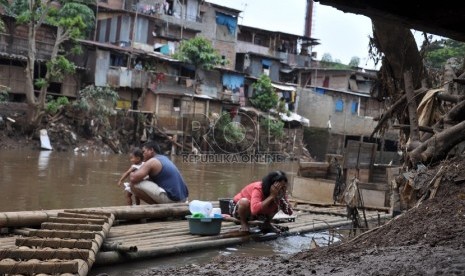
(112,257)
(54,243)
(31,267)
(118,247)
(86,216)
(62,234)
(44,254)
(98,221)
(35,218)
(70,226)
(84,268)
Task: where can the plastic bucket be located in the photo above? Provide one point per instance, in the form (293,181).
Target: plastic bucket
(204,226)
(224,205)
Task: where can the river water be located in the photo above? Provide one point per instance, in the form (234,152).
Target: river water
(35,180)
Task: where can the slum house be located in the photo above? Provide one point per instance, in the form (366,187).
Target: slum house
(274,54)
(132,48)
(341,108)
(13,55)
(159,25)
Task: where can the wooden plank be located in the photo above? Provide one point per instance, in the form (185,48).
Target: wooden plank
(373,198)
(363,174)
(373,186)
(313,169)
(359,155)
(315,190)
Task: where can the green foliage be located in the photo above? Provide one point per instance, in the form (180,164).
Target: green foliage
(15,7)
(326,57)
(4,94)
(199,52)
(227,132)
(41,82)
(282,107)
(439,51)
(328,62)
(53,105)
(59,67)
(97,101)
(354,62)
(265,96)
(273,127)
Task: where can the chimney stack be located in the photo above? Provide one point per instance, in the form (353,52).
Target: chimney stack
(308,19)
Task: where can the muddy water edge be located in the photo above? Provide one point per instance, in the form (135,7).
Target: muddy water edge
(35,180)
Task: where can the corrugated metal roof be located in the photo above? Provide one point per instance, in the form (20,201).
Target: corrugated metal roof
(283,87)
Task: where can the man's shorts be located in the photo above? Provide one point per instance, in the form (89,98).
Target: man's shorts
(157,193)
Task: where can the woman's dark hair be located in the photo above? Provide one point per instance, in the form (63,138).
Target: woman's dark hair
(137,152)
(270,179)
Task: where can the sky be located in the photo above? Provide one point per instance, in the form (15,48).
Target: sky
(342,35)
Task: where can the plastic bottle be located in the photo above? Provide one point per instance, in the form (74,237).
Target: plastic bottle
(216,213)
(200,207)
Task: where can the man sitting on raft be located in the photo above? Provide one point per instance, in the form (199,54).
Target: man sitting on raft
(164,184)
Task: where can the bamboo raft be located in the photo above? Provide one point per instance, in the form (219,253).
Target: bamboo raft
(65,245)
(146,231)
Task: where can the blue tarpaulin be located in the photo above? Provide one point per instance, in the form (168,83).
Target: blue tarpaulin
(227,20)
(233,81)
(266,62)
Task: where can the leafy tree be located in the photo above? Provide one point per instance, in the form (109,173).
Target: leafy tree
(265,96)
(53,106)
(326,57)
(97,103)
(199,52)
(71,20)
(439,51)
(274,127)
(228,135)
(328,62)
(354,62)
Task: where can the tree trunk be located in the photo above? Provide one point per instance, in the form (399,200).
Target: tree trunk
(437,147)
(412,112)
(400,55)
(29,87)
(400,51)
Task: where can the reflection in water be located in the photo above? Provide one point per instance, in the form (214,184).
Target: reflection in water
(34,180)
(44,156)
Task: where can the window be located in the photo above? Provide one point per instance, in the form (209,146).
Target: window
(266,64)
(266,70)
(354,108)
(339,105)
(176,105)
(117,60)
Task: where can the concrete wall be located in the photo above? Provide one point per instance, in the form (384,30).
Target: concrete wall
(320,108)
